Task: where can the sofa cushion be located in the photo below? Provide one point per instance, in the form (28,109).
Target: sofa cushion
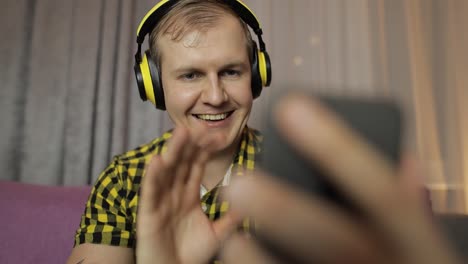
(38,222)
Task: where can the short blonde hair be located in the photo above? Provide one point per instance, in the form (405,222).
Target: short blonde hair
(188,15)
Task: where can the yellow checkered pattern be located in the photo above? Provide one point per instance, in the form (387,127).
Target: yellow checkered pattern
(110,214)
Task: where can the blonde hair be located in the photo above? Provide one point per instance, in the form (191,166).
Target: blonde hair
(189,15)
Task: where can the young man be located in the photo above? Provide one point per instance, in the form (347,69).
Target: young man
(204,58)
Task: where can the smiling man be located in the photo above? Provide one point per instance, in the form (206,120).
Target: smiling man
(159,202)
(208,87)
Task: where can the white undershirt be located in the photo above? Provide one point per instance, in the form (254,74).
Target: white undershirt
(226,180)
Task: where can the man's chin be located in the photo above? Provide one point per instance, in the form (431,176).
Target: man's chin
(213,144)
(216,143)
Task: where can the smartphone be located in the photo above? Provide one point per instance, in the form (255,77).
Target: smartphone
(378,121)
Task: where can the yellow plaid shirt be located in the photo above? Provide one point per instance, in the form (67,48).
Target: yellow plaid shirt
(110,213)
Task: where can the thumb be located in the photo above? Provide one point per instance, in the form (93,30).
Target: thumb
(412,181)
(226,225)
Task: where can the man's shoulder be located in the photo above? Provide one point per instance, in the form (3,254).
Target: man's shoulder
(255,138)
(255,133)
(145,151)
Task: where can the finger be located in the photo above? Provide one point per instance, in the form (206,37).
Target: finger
(304,226)
(240,249)
(423,231)
(175,146)
(362,173)
(356,168)
(412,182)
(197,171)
(175,150)
(159,175)
(226,225)
(152,186)
(185,162)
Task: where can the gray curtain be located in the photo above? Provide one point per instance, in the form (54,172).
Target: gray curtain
(69,100)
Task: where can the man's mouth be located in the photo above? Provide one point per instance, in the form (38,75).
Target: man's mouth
(213,117)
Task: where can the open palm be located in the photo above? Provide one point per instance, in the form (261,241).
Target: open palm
(171,226)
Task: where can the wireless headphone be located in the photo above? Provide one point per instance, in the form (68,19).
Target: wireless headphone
(148,74)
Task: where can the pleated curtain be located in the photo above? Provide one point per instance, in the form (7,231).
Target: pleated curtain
(69,102)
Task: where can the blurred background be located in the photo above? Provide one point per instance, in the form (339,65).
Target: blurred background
(69,102)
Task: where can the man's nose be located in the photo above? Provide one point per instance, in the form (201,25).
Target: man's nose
(214,92)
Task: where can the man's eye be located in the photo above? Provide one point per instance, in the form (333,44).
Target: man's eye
(189,76)
(231,73)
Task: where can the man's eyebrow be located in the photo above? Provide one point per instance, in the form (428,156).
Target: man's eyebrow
(184,69)
(239,64)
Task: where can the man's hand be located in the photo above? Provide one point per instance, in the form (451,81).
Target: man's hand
(394,226)
(171,226)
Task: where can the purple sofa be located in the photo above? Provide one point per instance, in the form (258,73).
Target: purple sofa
(38,222)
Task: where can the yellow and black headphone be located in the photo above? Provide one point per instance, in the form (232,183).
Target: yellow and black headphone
(148,73)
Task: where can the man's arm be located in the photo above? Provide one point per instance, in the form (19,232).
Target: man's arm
(105,231)
(94,253)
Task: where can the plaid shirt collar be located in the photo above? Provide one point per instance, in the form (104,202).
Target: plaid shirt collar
(247,155)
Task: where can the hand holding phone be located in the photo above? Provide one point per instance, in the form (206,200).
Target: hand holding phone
(312,226)
(379,122)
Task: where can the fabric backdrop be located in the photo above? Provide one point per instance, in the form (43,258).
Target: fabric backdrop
(69,102)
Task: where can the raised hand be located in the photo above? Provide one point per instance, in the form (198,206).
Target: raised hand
(171,226)
(394,226)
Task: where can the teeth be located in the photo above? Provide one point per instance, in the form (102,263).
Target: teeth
(213,117)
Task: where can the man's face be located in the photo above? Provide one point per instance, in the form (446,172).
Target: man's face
(207,81)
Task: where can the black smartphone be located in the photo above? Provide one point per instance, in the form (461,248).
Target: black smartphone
(376,120)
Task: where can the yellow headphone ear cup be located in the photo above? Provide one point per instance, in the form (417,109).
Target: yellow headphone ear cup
(262,67)
(148,83)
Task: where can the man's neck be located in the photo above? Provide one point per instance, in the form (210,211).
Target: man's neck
(217,167)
